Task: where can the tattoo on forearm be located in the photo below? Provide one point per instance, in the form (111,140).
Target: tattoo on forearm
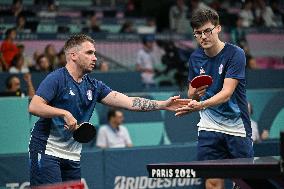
(144,104)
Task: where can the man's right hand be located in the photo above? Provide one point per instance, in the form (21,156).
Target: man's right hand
(198,92)
(71,122)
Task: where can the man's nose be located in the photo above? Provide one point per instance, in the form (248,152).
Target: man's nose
(95,58)
(203,36)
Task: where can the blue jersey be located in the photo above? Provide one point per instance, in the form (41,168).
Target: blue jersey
(232,116)
(60,90)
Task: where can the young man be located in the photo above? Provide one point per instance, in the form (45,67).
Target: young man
(66,98)
(224,127)
(114,134)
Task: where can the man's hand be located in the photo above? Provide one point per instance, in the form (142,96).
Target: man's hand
(192,106)
(197,93)
(27,77)
(175,102)
(71,122)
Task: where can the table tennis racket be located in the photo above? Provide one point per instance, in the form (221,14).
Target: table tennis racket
(85,132)
(201,80)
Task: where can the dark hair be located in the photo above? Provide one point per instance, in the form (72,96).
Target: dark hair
(111,113)
(8,81)
(16,59)
(75,40)
(202,16)
(39,58)
(9,31)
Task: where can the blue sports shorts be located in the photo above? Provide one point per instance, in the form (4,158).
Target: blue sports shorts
(215,145)
(46,169)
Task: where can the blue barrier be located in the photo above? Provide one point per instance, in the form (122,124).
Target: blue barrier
(121,168)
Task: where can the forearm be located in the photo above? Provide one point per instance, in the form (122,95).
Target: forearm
(143,104)
(132,103)
(45,110)
(219,98)
(31,90)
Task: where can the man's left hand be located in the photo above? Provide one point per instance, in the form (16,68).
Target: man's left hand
(192,106)
(176,102)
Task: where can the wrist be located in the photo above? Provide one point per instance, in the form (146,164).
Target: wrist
(203,107)
(65,113)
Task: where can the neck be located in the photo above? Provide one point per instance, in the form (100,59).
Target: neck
(215,49)
(113,125)
(76,73)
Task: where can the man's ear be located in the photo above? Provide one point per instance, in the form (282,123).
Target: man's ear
(74,56)
(219,28)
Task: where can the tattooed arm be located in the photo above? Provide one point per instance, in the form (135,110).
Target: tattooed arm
(117,99)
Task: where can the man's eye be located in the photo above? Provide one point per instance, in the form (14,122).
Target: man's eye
(197,33)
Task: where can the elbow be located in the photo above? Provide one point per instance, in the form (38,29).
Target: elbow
(32,108)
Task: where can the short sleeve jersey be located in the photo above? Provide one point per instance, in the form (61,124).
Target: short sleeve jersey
(232,116)
(60,90)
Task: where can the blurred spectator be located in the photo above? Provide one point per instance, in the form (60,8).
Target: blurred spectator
(278,12)
(51,11)
(102,65)
(250,60)
(178,17)
(146,60)
(197,4)
(127,27)
(18,65)
(175,61)
(93,26)
(27,60)
(254,126)
(17,7)
(61,59)
(131,9)
(114,135)
(247,14)
(51,55)
(13,86)
(42,65)
(265,134)
(3,65)
(36,54)
(21,25)
(151,23)
(238,34)
(8,48)
(264,14)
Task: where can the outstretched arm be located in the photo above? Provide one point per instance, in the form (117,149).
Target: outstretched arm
(117,99)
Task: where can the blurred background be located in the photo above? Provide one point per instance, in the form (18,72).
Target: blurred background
(32,35)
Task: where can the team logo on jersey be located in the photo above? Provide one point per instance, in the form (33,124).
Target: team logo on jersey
(71,92)
(201,71)
(220,69)
(89,95)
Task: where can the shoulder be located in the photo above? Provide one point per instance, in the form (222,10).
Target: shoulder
(55,77)
(197,53)
(141,52)
(234,49)
(103,128)
(123,128)
(57,73)
(93,81)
